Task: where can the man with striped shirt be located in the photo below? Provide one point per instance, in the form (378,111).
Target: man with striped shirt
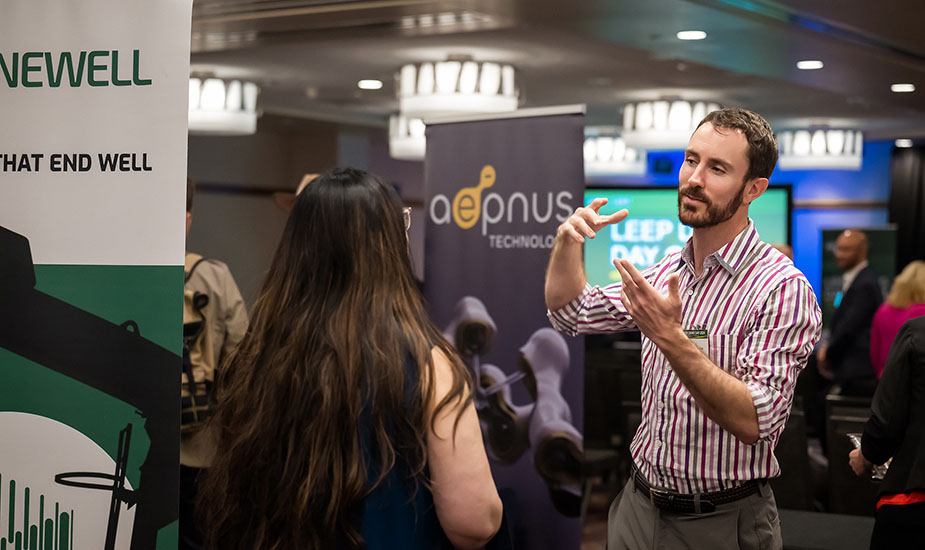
(727,325)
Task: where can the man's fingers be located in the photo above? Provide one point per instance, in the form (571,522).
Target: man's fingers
(581,226)
(628,286)
(569,230)
(597,203)
(673,291)
(634,274)
(628,282)
(627,303)
(616,217)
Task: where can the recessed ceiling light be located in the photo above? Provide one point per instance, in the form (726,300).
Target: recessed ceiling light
(902,88)
(691,35)
(369,84)
(809,64)
(904,143)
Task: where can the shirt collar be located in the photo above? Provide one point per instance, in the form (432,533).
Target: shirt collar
(731,255)
(848,278)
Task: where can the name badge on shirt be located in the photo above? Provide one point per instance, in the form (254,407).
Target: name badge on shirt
(699,338)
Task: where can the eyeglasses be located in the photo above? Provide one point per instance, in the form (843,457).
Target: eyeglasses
(406,213)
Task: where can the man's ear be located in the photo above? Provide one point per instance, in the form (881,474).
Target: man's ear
(754,189)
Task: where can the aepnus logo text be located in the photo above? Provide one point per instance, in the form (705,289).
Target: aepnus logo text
(469,207)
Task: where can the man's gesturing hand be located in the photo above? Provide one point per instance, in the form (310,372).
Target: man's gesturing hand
(657,316)
(586,221)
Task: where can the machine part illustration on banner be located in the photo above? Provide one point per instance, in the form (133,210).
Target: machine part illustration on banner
(509,429)
(558,448)
(110,358)
(120,494)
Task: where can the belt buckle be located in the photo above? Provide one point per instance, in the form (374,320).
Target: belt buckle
(663,495)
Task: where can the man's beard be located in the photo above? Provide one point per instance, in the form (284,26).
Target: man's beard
(715,214)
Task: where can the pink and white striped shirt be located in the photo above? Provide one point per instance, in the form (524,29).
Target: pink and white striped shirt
(762,322)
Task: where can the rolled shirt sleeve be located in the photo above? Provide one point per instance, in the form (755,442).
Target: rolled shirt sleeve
(595,311)
(775,351)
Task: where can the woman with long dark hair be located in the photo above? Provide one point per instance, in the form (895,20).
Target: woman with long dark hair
(345,419)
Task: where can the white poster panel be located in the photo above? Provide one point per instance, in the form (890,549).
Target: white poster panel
(93,104)
(93,98)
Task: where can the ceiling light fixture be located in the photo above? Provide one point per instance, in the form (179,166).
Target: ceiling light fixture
(902,87)
(655,125)
(809,65)
(608,155)
(821,149)
(406,138)
(369,84)
(691,35)
(221,108)
(903,143)
(456,87)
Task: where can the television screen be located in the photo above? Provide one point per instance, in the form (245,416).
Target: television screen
(652,229)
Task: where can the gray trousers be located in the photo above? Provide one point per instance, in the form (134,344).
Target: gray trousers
(751,523)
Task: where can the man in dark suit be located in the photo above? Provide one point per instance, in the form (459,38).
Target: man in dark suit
(846,355)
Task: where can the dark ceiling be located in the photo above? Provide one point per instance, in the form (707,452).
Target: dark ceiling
(308,55)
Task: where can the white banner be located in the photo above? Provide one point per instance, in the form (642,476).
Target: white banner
(93,111)
(93,98)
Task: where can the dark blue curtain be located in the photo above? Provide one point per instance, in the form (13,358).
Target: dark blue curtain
(907,204)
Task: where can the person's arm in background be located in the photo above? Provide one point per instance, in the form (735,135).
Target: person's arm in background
(466,500)
(889,411)
(235,315)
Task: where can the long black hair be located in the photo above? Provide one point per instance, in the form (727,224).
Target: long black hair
(338,315)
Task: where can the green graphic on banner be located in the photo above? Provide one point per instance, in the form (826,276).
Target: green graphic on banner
(117,294)
(142,308)
(51,533)
(149,295)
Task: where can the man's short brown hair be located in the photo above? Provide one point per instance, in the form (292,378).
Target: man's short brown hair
(762,145)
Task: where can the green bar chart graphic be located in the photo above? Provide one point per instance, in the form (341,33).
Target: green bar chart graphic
(52,532)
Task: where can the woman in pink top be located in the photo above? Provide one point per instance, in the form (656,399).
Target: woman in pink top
(905,301)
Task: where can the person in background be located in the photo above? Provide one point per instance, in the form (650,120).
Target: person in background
(226,321)
(345,419)
(846,354)
(285,200)
(896,429)
(905,301)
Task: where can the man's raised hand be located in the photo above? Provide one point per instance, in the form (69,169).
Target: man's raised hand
(587,221)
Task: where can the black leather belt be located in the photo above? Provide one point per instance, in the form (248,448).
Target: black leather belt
(699,503)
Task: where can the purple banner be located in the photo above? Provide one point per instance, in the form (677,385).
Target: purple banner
(497,190)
